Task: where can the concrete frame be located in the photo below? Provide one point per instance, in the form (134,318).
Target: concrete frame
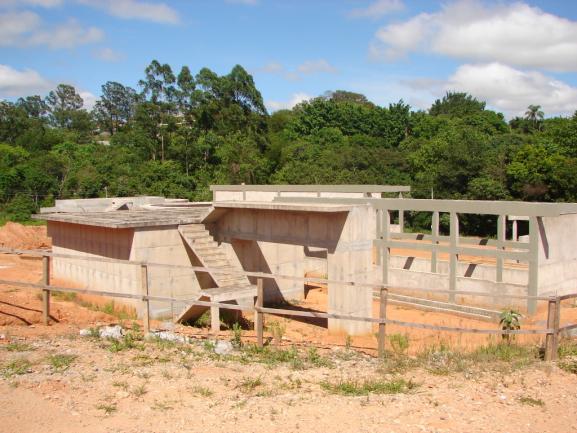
(546,221)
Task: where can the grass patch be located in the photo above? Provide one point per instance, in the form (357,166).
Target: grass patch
(274,356)
(202,391)
(64,296)
(107,408)
(121,313)
(129,341)
(161,405)
(138,391)
(60,363)
(355,388)
(15,367)
(530,401)
(120,384)
(249,384)
(18,347)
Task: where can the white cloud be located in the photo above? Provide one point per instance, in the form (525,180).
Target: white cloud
(272,68)
(512,90)
(41,3)
(510,33)
(67,35)
(136,9)
(377,9)
(89,100)
(19,83)
(297,98)
(108,54)
(308,67)
(316,66)
(14,26)
(26,29)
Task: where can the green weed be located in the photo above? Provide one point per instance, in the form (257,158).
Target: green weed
(355,388)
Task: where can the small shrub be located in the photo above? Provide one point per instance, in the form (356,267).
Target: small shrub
(510,320)
(236,336)
(277,330)
(399,343)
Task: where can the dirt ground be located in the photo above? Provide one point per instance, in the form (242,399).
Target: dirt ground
(155,387)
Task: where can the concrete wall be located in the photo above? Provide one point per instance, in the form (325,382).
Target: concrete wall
(270,196)
(158,245)
(81,240)
(165,245)
(558,254)
(275,241)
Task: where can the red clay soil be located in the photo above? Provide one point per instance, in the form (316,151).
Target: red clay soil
(14,235)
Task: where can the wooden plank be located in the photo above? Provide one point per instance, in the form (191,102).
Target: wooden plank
(258,316)
(46,292)
(382,324)
(551,339)
(285,312)
(215,320)
(145,300)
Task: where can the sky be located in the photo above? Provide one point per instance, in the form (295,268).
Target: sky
(509,54)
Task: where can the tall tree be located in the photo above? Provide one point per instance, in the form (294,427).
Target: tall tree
(535,115)
(63,103)
(116,106)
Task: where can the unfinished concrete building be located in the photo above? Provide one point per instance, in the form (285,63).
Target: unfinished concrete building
(342,233)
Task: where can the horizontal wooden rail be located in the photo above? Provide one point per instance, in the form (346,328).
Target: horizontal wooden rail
(374,285)
(276,311)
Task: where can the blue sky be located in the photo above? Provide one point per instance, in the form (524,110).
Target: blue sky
(510,54)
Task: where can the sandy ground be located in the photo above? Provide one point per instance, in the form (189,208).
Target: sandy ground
(188,388)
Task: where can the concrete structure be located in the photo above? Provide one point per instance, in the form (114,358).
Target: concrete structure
(242,229)
(339,232)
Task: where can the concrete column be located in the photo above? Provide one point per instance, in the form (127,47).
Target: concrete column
(351,260)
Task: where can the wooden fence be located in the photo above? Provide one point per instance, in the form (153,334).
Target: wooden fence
(552,331)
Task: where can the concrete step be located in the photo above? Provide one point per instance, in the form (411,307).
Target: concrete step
(198,236)
(203,242)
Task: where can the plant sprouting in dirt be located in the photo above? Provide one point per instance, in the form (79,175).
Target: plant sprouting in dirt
(236,335)
(510,320)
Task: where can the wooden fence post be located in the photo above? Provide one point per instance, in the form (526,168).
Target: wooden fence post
(258,316)
(145,301)
(553,319)
(46,292)
(383,295)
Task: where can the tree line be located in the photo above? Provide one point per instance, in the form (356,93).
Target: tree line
(179,132)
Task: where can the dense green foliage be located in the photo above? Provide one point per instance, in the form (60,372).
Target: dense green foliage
(181,132)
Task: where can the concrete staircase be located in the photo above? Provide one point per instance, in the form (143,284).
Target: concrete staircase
(231,283)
